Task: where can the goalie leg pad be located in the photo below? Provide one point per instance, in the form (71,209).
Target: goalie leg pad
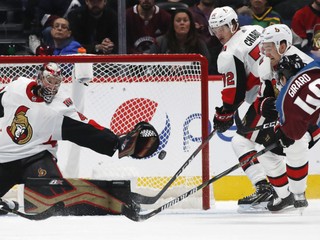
(141,142)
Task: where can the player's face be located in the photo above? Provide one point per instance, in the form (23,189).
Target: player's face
(51,82)
(223,33)
(270,50)
(181,23)
(49,87)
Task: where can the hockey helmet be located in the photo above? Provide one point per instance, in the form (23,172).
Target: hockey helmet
(289,66)
(276,33)
(49,80)
(222,16)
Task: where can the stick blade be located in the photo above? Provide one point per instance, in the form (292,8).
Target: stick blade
(130,213)
(51,211)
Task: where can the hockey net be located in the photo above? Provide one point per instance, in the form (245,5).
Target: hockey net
(169,91)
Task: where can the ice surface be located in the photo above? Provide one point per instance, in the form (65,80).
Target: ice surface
(222,222)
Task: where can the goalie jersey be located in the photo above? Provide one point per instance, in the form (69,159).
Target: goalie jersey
(238,63)
(28,125)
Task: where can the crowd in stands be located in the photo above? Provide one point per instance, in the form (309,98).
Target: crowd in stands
(60,27)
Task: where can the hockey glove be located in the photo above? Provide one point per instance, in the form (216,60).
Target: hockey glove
(222,120)
(267,108)
(141,142)
(282,138)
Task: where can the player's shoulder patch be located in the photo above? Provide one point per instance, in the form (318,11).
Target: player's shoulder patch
(68,102)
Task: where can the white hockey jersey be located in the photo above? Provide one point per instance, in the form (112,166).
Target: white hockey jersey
(29,125)
(266,72)
(238,63)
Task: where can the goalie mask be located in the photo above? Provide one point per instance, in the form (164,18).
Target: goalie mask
(49,81)
(141,142)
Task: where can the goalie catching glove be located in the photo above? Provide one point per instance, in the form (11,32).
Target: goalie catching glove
(223,120)
(141,142)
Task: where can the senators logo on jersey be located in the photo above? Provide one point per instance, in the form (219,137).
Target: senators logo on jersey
(20,130)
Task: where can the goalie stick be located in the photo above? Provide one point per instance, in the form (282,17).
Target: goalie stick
(132,214)
(141,199)
(51,211)
(245,129)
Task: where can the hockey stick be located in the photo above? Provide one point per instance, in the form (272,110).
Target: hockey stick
(51,211)
(141,199)
(135,216)
(245,129)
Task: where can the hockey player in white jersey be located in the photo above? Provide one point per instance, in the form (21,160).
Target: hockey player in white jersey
(34,115)
(238,63)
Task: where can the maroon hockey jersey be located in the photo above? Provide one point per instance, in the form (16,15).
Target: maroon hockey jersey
(299,102)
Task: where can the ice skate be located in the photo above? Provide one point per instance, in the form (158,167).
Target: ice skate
(280,205)
(300,202)
(256,202)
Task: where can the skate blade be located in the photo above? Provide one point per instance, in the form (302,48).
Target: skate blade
(290,210)
(253,208)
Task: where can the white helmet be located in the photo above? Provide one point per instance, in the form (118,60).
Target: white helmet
(49,80)
(275,34)
(222,16)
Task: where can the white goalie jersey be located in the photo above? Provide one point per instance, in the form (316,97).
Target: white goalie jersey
(29,125)
(238,63)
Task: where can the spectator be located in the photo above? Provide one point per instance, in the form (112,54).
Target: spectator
(145,22)
(63,40)
(258,12)
(182,37)
(49,10)
(94,26)
(306,28)
(201,13)
(287,8)
(64,43)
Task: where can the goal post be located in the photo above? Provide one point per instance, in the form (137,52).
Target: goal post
(168,90)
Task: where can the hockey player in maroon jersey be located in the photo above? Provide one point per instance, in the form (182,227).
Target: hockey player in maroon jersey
(238,63)
(34,115)
(298,101)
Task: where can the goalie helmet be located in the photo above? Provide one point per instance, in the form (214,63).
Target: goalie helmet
(49,80)
(276,33)
(289,66)
(222,16)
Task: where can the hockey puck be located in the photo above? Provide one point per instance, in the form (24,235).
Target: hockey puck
(162,155)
